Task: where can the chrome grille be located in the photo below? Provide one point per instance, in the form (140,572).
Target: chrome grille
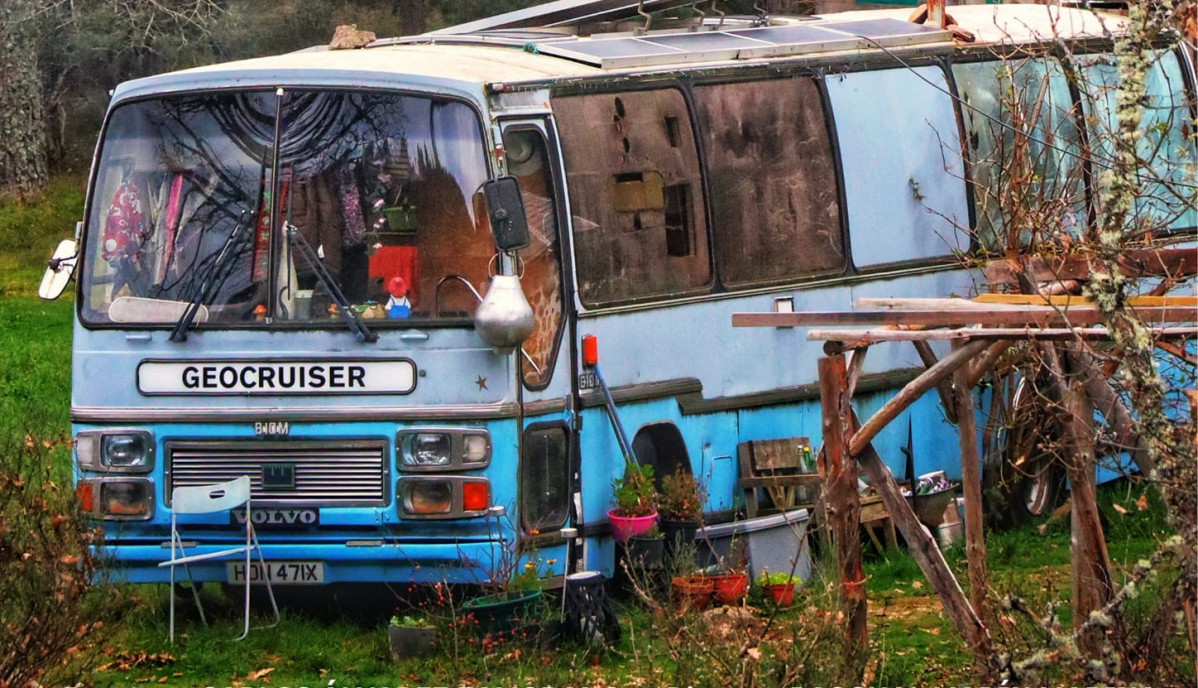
(327,473)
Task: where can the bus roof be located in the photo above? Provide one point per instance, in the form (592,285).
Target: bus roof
(467,63)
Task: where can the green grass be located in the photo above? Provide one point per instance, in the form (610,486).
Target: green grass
(912,641)
(30,230)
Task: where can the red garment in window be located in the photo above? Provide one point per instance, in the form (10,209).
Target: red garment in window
(124,228)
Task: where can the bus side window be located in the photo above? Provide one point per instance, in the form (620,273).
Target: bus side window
(1164,139)
(528,162)
(773,179)
(1024,146)
(635,194)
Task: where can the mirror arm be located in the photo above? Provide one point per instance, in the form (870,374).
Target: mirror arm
(57,264)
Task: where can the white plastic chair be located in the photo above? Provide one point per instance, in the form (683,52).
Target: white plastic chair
(207,499)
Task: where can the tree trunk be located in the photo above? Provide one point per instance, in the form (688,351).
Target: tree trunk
(23,144)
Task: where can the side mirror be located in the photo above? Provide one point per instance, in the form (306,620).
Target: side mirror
(505,208)
(59,270)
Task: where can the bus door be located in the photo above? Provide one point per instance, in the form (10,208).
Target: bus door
(548,447)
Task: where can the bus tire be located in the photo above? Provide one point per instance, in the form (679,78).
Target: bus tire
(1024,480)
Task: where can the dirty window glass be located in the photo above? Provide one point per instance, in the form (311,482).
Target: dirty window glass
(528,162)
(544,479)
(776,211)
(1167,197)
(381,187)
(636,195)
(1025,148)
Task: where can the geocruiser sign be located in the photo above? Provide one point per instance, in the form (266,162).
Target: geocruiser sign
(277,377)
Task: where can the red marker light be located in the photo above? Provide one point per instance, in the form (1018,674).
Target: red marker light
(590,350)
(86,496)
(475,496)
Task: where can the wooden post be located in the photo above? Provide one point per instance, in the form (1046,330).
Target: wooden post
(1090,564)
(914,390)
(971,488)
(927,554)
(843,510)
(942,388)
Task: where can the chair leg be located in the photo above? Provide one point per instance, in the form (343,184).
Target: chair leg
(270,593)
(246,630)
(171,593)
(195,593)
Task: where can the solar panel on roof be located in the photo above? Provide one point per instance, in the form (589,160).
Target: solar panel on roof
(743,44)
(889,32)
(614,53)
(776,41)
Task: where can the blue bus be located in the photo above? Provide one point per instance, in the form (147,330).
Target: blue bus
(285,263)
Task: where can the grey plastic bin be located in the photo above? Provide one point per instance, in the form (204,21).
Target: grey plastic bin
(772,543)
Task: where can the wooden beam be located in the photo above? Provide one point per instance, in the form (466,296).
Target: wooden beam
(1112,408)
(1134,263)
(844,508)
(856,363)
(971,488)
(1073,300)
(943,388)
(914,390)
(1008,302)
(1089,561)
(983,363)
(1039,316)
(860,338)
(925,552)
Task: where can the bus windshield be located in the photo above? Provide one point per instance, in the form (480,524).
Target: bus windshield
(379,188)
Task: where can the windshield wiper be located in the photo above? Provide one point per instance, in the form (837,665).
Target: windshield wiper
(300,245)
(179,334)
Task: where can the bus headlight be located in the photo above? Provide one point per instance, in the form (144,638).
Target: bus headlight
(427,498)
(476,447)
(426,449)
(443,449)
(450,496)
(117,499)
(118,451)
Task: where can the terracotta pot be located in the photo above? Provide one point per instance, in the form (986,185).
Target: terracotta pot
(782,594)
(624,527)
(693,591)
(730,588)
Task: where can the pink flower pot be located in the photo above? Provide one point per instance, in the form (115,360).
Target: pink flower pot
(624,527)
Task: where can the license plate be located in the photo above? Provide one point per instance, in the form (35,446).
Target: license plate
(280,572)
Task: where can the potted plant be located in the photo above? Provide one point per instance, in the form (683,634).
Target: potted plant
(731,587)
(511,607)
(410,635)
(646,550)
(636,502)
(680,508)
(692,590)
(780,587)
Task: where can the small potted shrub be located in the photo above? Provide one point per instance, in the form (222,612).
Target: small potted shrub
(636,503)
(780,587)
(410,635)
(680,508)
(646,550)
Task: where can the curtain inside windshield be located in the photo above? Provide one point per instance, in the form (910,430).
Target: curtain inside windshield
(376,199)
